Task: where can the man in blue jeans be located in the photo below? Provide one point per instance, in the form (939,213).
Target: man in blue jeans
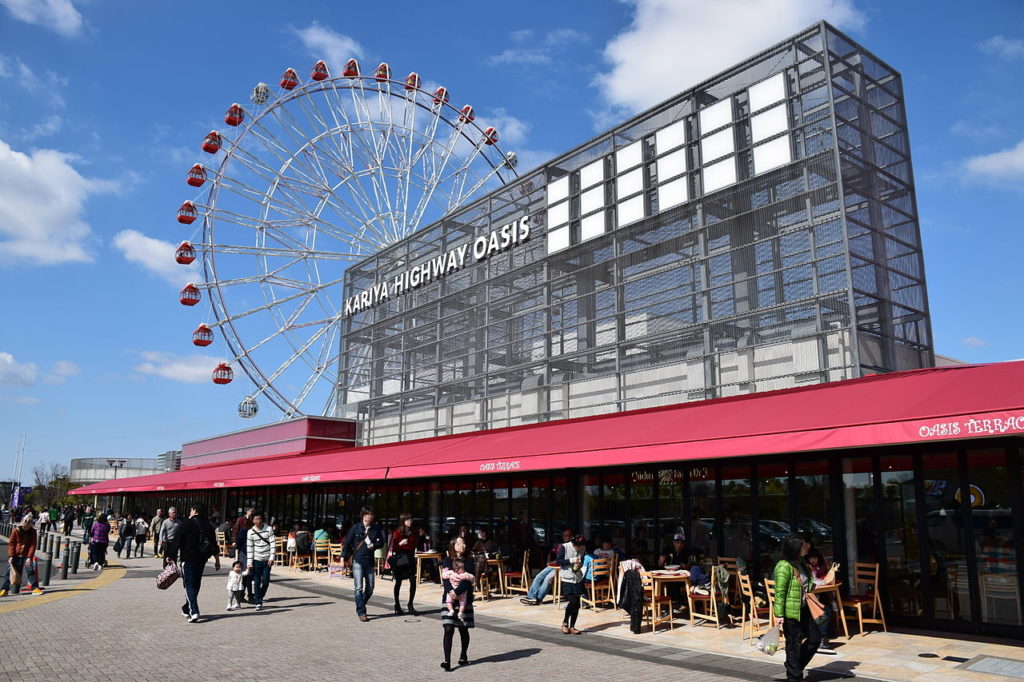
(260,545)
(541,585)
(360,543)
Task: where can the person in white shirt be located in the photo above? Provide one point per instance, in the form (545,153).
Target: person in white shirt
(235,589)
(259,552)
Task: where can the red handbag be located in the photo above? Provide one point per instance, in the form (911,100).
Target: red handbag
(168,576)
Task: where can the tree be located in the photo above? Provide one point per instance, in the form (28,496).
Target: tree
(50,485)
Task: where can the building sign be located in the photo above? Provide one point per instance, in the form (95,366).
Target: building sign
(481,248)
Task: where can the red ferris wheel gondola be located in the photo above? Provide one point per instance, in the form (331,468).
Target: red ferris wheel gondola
(190,295)
(289,79)
(234,115)
(185,253)
(222,374)
(351,69)
(412,81)
(187,213)
(466,114)
(211,143)
(320,71)
(202,336)
(383,72)
(441,95)
(490,136)
(196,175)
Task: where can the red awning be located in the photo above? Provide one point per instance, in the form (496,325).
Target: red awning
(949,403)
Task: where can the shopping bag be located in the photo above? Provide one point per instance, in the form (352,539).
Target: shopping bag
(769,642)
(168,576)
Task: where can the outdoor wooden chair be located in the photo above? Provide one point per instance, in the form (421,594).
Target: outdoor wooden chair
(769,589)
(599,587)
(280,550)
(519,581)
(658,607)
(321,554)
(704,607)
(732,565)
(996,589)
(865,576)
(752,614)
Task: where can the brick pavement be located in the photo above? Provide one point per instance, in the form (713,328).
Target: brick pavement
(130,630)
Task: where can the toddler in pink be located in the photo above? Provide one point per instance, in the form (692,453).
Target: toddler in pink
(455,575)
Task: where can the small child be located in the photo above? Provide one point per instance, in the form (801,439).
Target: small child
(236,590)
(455,575)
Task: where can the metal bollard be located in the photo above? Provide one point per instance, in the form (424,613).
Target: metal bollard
(65,548)
(76,555)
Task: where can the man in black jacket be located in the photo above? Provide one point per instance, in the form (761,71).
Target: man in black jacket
(198,542)
(363,538)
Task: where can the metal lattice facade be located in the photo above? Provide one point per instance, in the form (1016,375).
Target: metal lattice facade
(756,232)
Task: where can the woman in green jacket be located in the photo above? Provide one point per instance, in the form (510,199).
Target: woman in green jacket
(792,583)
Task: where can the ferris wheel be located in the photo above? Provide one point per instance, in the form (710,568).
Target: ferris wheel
(308,179)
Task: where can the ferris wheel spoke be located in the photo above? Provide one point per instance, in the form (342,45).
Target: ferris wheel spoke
(268,306)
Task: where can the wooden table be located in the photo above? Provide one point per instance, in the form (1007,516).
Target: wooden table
(500,563)
(662,580)
(420,556)
(834,589)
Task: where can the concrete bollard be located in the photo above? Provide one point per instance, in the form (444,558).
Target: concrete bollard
(65,549)
(76,555)
(43,568)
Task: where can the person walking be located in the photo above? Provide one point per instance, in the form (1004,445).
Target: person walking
(197,543)
(793,583)
(88,518)
(570,561)
(464,621)
(21,550)
(241,527)
(170,531)
(154,531)
(259,548)
(44,521)
(69,520)
(141,531)
(125,535)
(403,561)
(360,543)
(99,540)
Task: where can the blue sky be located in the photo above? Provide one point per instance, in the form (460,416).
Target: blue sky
(103,104)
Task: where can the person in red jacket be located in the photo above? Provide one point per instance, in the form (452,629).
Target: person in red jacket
(403,542)
(21,549)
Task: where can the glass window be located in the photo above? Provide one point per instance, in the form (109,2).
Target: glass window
(590,517)
(543,527)
(812,500)
(703,515)
(671,505)
(899,515)
(715,116)
(521,535)
(558,214)
(719,175)
(772,154)
(945,524)
(628,157)
(737,531)
(558,239)
(771,122)
(641,508)
(592,173)
(772,514)
(591,200)
(592,226)
(559,506)
(671,165)
(614,508)
(630,183)
(558,189)
(630,210)
(670,137)
(992,534)
(673,193)
(717,145)
(767,92)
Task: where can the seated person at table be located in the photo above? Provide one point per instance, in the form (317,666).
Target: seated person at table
(823,574)
(542,583)
(674,555)
(609,549)
(485,544)
(456,575)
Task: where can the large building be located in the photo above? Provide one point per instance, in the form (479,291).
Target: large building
(756,232)
(670,330)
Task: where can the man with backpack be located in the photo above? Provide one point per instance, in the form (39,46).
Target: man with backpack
(197,543)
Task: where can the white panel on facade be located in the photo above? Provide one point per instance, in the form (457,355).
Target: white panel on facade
(592,173)
(630,211)
(767,92)
(671,165)
(630,183)
(592,226)
(591,200)
(719,175)
(558,214)
(771,122)
(772,154)
(558,239)
(716,116)
(630,156)
(670,137)
(717,145)
(672,194)
(558,190)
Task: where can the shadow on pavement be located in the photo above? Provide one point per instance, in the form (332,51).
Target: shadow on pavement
(507,656)
(836,670)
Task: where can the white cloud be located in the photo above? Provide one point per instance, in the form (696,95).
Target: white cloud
(191,369)
(42,198)
(48,126)
(674,44)
(155,255)
(41,83)
(561,36)
(1006,166)
(1004,48)
(974,342)
(323,43)
(61,370)
(976,130)
(23,400)
(521,56)
(511,130)
(58,15)
(14,373)
(539,53)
